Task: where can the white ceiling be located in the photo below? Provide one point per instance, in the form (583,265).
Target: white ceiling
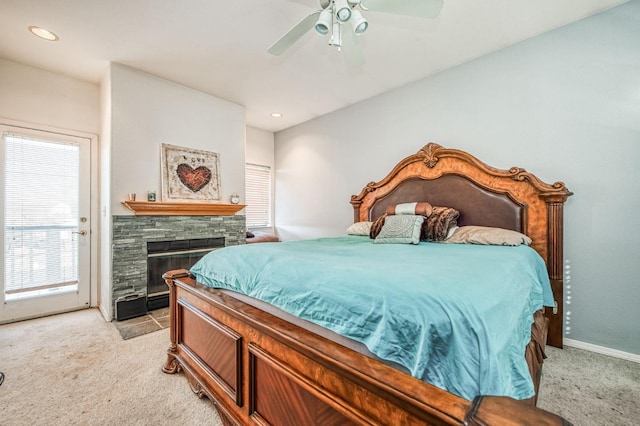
(219,47)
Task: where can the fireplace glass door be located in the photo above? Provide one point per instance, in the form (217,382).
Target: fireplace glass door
(163,256)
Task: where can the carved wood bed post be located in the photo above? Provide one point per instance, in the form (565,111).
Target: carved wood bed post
(555,263)
(172,365)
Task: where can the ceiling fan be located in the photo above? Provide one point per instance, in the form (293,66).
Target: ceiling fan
(334,14)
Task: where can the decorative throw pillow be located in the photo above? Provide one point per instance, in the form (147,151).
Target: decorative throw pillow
(422,208)
(436,227)
(376,226)
(488,236)
(400,229)
(359,228)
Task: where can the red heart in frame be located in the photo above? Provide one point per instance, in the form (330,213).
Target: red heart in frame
(194,179)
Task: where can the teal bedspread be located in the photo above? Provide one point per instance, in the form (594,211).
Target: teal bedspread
(457,316)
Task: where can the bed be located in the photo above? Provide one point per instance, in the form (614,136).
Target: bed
(259,364)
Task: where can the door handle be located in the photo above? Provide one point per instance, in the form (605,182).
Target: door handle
(83,232)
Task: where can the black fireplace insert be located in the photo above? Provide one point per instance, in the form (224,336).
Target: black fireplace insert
(163,256)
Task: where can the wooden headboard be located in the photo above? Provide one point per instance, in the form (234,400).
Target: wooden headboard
(511,199)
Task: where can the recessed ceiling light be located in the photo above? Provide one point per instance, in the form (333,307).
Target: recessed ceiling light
(42,33)
(276,114)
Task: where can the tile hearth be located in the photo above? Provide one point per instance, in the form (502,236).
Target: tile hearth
(153,321)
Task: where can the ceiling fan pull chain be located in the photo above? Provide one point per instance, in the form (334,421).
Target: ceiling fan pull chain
(336,35)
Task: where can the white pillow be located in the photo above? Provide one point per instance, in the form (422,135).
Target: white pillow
(487,236)
(359,228)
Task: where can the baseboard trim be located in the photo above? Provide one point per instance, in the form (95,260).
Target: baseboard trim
(104,312)
(602,350)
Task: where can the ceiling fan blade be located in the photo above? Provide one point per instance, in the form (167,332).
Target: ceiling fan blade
(294,34)
(419,8)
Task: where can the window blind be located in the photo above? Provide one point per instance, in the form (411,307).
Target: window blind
(258,195)
(41,190)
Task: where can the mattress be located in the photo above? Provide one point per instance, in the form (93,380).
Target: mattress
(456,316)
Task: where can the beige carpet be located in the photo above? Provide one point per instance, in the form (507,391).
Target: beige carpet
(590,389)
(75,369)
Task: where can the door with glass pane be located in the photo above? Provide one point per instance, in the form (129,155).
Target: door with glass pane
(45,183)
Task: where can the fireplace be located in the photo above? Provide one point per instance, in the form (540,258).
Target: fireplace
(163,256)
(131,235)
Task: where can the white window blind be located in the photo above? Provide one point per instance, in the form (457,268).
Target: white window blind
(41,193)
(258,195)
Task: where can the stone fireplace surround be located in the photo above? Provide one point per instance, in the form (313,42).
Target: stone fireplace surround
(130,235)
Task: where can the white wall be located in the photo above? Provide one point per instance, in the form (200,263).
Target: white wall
(564,105)
(147,111)
(260,147)
(32,95)
(260,150)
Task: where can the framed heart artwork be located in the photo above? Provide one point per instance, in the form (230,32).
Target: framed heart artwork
(189,174)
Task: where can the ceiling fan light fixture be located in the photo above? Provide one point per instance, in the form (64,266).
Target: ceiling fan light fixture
(333,14)
(359,22)
(324,22)
(343,11)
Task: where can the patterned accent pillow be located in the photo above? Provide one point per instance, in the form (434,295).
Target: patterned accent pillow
(488,236)
(400,229)
(359,228)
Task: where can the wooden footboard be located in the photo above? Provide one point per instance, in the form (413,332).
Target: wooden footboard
(259,369)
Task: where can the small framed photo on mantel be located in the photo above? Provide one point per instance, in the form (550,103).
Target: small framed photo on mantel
(190,174)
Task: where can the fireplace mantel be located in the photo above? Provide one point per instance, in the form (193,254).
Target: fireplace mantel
(163,208)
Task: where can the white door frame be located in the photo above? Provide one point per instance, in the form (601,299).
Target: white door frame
(94,198)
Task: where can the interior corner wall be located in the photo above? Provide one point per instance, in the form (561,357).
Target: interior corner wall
(563,105)
(106,285)
(147,111)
